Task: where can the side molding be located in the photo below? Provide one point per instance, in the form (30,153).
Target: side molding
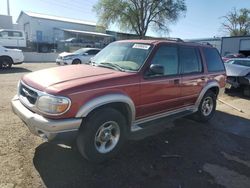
(204,90)
(106,99)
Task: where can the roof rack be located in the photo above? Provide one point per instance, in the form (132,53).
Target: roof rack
(170,39)
(174,39)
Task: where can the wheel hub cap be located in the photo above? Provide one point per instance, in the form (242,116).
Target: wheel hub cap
(107,137)
(207,106)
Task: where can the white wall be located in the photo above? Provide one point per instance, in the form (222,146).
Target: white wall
(39,57)
(47,27)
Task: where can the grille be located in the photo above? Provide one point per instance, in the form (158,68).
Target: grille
(28,93)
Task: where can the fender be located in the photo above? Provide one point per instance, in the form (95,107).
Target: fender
(204,90)
(106,99)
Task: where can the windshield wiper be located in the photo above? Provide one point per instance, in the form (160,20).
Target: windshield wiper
(111,65)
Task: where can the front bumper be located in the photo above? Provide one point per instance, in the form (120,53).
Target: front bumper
(238,81)
(63,62)
(41,126)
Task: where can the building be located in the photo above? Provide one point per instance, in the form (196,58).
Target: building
(47,31)
(215,42)
(237,44)
(6,22)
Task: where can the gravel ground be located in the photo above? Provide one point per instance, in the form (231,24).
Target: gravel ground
(186,154)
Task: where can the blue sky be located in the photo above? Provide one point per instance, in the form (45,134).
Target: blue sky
(202,20)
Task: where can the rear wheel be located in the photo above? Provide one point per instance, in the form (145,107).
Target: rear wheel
(5,62)
(102,135)
(207,107)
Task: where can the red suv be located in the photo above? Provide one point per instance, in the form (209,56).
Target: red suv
(126,87)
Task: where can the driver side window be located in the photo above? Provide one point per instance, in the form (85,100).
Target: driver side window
(167,56)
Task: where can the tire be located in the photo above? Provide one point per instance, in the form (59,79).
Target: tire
(246,91)
(102,135)
(206,108)
(5,62)
(76,61)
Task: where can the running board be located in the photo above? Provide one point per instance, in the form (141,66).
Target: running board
(161,118)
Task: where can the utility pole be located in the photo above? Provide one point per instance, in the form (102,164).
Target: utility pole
(8,7)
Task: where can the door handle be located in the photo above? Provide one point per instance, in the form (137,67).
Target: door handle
(203,78)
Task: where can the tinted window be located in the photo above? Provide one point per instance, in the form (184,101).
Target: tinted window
(190,60)
(4,34)
(93,52)
(213,60)
(167,56)
(16,34)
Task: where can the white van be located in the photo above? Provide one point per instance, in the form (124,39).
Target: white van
(12,38)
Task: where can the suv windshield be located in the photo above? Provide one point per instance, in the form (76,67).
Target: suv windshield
(123,56)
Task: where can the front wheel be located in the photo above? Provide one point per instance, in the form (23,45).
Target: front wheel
(207,107)
(76,61)
(102,135)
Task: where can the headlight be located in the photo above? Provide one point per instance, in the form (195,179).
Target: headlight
(53,105)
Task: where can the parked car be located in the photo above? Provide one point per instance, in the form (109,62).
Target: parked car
(238,74)
(80,56)
(12,38)
(127,87)
(231,56)
(9,57)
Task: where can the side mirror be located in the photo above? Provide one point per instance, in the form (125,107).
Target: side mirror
(156,69)
(85,54)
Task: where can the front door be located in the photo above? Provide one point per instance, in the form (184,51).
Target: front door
(161,93)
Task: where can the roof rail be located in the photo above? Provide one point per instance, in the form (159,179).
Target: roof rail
(174,39)
(170,39)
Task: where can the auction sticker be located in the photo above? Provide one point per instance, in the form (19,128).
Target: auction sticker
(141,46)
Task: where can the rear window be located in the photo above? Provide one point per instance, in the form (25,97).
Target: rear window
(213,60)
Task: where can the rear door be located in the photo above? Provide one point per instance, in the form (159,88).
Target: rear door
(192,74)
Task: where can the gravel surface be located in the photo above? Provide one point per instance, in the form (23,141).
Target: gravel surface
(186,154)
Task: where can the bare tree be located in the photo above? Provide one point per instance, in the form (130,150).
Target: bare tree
(237,22)
(139,15)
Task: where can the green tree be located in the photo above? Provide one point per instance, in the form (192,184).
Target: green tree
(139,15)
(237,22)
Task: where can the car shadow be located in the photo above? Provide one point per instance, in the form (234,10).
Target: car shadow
(14,70)
(172,158)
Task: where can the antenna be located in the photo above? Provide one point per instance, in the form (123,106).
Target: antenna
(8,7)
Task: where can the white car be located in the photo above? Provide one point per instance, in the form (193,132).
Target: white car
(82,55)
(12,38)
(9,57)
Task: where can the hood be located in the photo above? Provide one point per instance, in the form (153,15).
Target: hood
(13,50)
(68,76)
(236,70)
(63,54)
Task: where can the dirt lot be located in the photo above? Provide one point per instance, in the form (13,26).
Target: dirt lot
(187,155)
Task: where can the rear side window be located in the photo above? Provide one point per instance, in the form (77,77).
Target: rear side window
(213,60)
(93,52)
(190,60)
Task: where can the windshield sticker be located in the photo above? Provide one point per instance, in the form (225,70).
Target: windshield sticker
(141,46)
